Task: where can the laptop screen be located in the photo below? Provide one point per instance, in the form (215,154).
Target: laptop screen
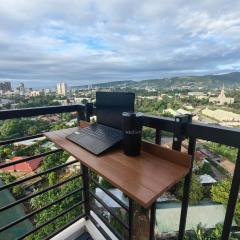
(110,106)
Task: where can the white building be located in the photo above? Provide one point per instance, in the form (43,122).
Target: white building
(221,99)
(62,89)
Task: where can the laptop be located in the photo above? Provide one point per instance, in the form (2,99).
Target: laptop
(106,133)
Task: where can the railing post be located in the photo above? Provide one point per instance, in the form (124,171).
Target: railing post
(186,191)
(232,200)
(152,221)
(178,136)
(158,136)
(88,111)
(130,218)
(80,116)
(85,173)
(178,133)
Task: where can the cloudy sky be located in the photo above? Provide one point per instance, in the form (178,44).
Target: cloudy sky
(85,41)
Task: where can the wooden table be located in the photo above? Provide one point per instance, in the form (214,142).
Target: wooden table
(143,178)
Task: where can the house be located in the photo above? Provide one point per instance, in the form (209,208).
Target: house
(206,180)
(27,166)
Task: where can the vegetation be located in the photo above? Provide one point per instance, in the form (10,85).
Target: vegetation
(228,152)
(14,128)
(200,233)
(7,178)
(45,215)
(196,193)
(205,169)
(220,193)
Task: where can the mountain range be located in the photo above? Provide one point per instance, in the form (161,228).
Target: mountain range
(230,80)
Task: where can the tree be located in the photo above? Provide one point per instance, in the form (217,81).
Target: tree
(220,193)
(51,196)
(17,191)
(196,193)
(206,169)
(7,177)
(52,178)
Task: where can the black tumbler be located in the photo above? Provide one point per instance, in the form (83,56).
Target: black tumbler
(132,132)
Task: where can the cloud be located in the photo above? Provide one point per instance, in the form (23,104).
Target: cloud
(92,41)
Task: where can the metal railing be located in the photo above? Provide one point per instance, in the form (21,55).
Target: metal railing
(181,127)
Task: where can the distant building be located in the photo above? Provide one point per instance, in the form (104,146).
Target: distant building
(35,93)
(5,86)
(198,95)
(62,89)
(21,89)
(207,180)
(221,99)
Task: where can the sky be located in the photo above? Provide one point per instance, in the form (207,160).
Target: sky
(91,41)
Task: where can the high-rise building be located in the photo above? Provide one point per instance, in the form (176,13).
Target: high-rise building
(5,86)
(62,89)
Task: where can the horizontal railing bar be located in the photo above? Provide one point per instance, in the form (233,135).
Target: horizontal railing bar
(51,220)
(29,158)
(38,193)
(5,142)
(98,226)
(12,184)
(109,210)
(65,226)
(36,111)
(162,123)
(123,205)
(117,235)
(39,210)
(219,134)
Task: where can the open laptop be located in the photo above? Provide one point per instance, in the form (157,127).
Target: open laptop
(104,134)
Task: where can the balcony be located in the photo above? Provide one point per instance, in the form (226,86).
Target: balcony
(78,206)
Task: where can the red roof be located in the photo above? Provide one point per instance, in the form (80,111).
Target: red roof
(27,166)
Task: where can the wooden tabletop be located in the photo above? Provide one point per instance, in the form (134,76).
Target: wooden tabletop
(143,178)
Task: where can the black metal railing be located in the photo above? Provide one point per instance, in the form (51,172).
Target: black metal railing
(181,127)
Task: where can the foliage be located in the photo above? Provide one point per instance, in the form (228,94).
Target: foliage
(38,101)
(228,152)
(104,183)
(7,178)
(6,152)
(52,178)
(220,193)
(148,134)
(54,160)
(58,126)
(17,191)
(14,128)
(201,233)
(196,193)
(205,169)
(45,215)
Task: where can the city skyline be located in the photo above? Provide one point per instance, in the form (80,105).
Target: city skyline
(85,42)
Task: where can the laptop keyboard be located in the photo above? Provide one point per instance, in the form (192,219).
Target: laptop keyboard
(101,132)
(96,138)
